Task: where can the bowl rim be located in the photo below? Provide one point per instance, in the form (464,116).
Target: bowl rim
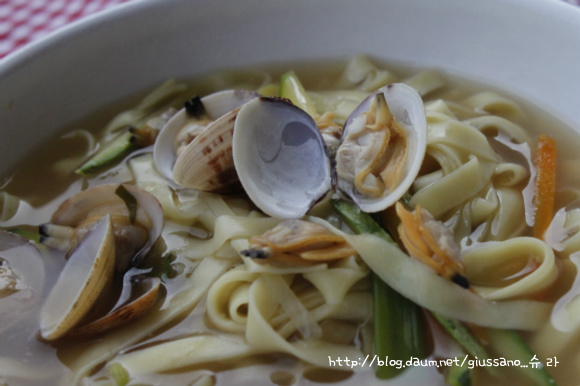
(554,8)
(563,19)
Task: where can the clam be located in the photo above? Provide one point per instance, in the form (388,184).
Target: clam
(102,228)
(284,166)
(85,275)
(383,145)
(134,238)
(431,242)
(280,157)
(198,138)
(141,297)
(298,242)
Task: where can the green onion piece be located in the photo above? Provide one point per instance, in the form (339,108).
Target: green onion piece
(399,328)
(359,221)
(465,338)
(119,374)
(164,267)
(129,200)
(507,343)
(291,88)
(462,335)
(119,147)
(26,233)
(399,323)
(510,345)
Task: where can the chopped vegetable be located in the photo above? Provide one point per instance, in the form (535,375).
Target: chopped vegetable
(26,233)
(506,342)
(545,184)
(123,144)
(130,202)
(400,326)
(291,88)
(359,221)
(120,146)
(465,338)
(119,374)
(164,267)
(509,344)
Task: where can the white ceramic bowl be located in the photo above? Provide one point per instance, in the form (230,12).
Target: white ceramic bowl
(530,48)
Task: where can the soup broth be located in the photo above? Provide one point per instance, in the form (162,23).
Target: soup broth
(221,317)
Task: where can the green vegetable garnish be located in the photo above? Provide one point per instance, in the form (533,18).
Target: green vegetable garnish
(291,88)
(31,235)
(505,342)
(129,200)
(462,335)
(119,374)
(123,144)
(399,323)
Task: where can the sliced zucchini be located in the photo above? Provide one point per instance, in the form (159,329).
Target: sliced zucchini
(119,147)
(400,331)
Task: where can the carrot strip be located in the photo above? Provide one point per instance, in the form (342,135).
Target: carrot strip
(545,184)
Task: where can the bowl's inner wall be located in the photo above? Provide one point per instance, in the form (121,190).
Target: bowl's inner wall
(527,48)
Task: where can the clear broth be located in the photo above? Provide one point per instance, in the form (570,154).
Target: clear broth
(43,186)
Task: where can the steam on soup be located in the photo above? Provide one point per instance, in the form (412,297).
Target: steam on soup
(239,238)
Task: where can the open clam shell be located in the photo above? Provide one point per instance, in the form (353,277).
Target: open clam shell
(283,163)
(206,163)
(165,151)
(84,276)
(143,296)
(280,157)
(383,145)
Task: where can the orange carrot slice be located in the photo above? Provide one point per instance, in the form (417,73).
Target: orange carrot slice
(545,184)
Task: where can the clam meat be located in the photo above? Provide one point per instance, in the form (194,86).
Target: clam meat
(383,146)
(297,242)
(431,242)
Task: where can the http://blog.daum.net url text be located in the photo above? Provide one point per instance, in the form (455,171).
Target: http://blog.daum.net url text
(375,360)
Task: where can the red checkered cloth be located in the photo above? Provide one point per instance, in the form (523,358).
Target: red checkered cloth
(22,21)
